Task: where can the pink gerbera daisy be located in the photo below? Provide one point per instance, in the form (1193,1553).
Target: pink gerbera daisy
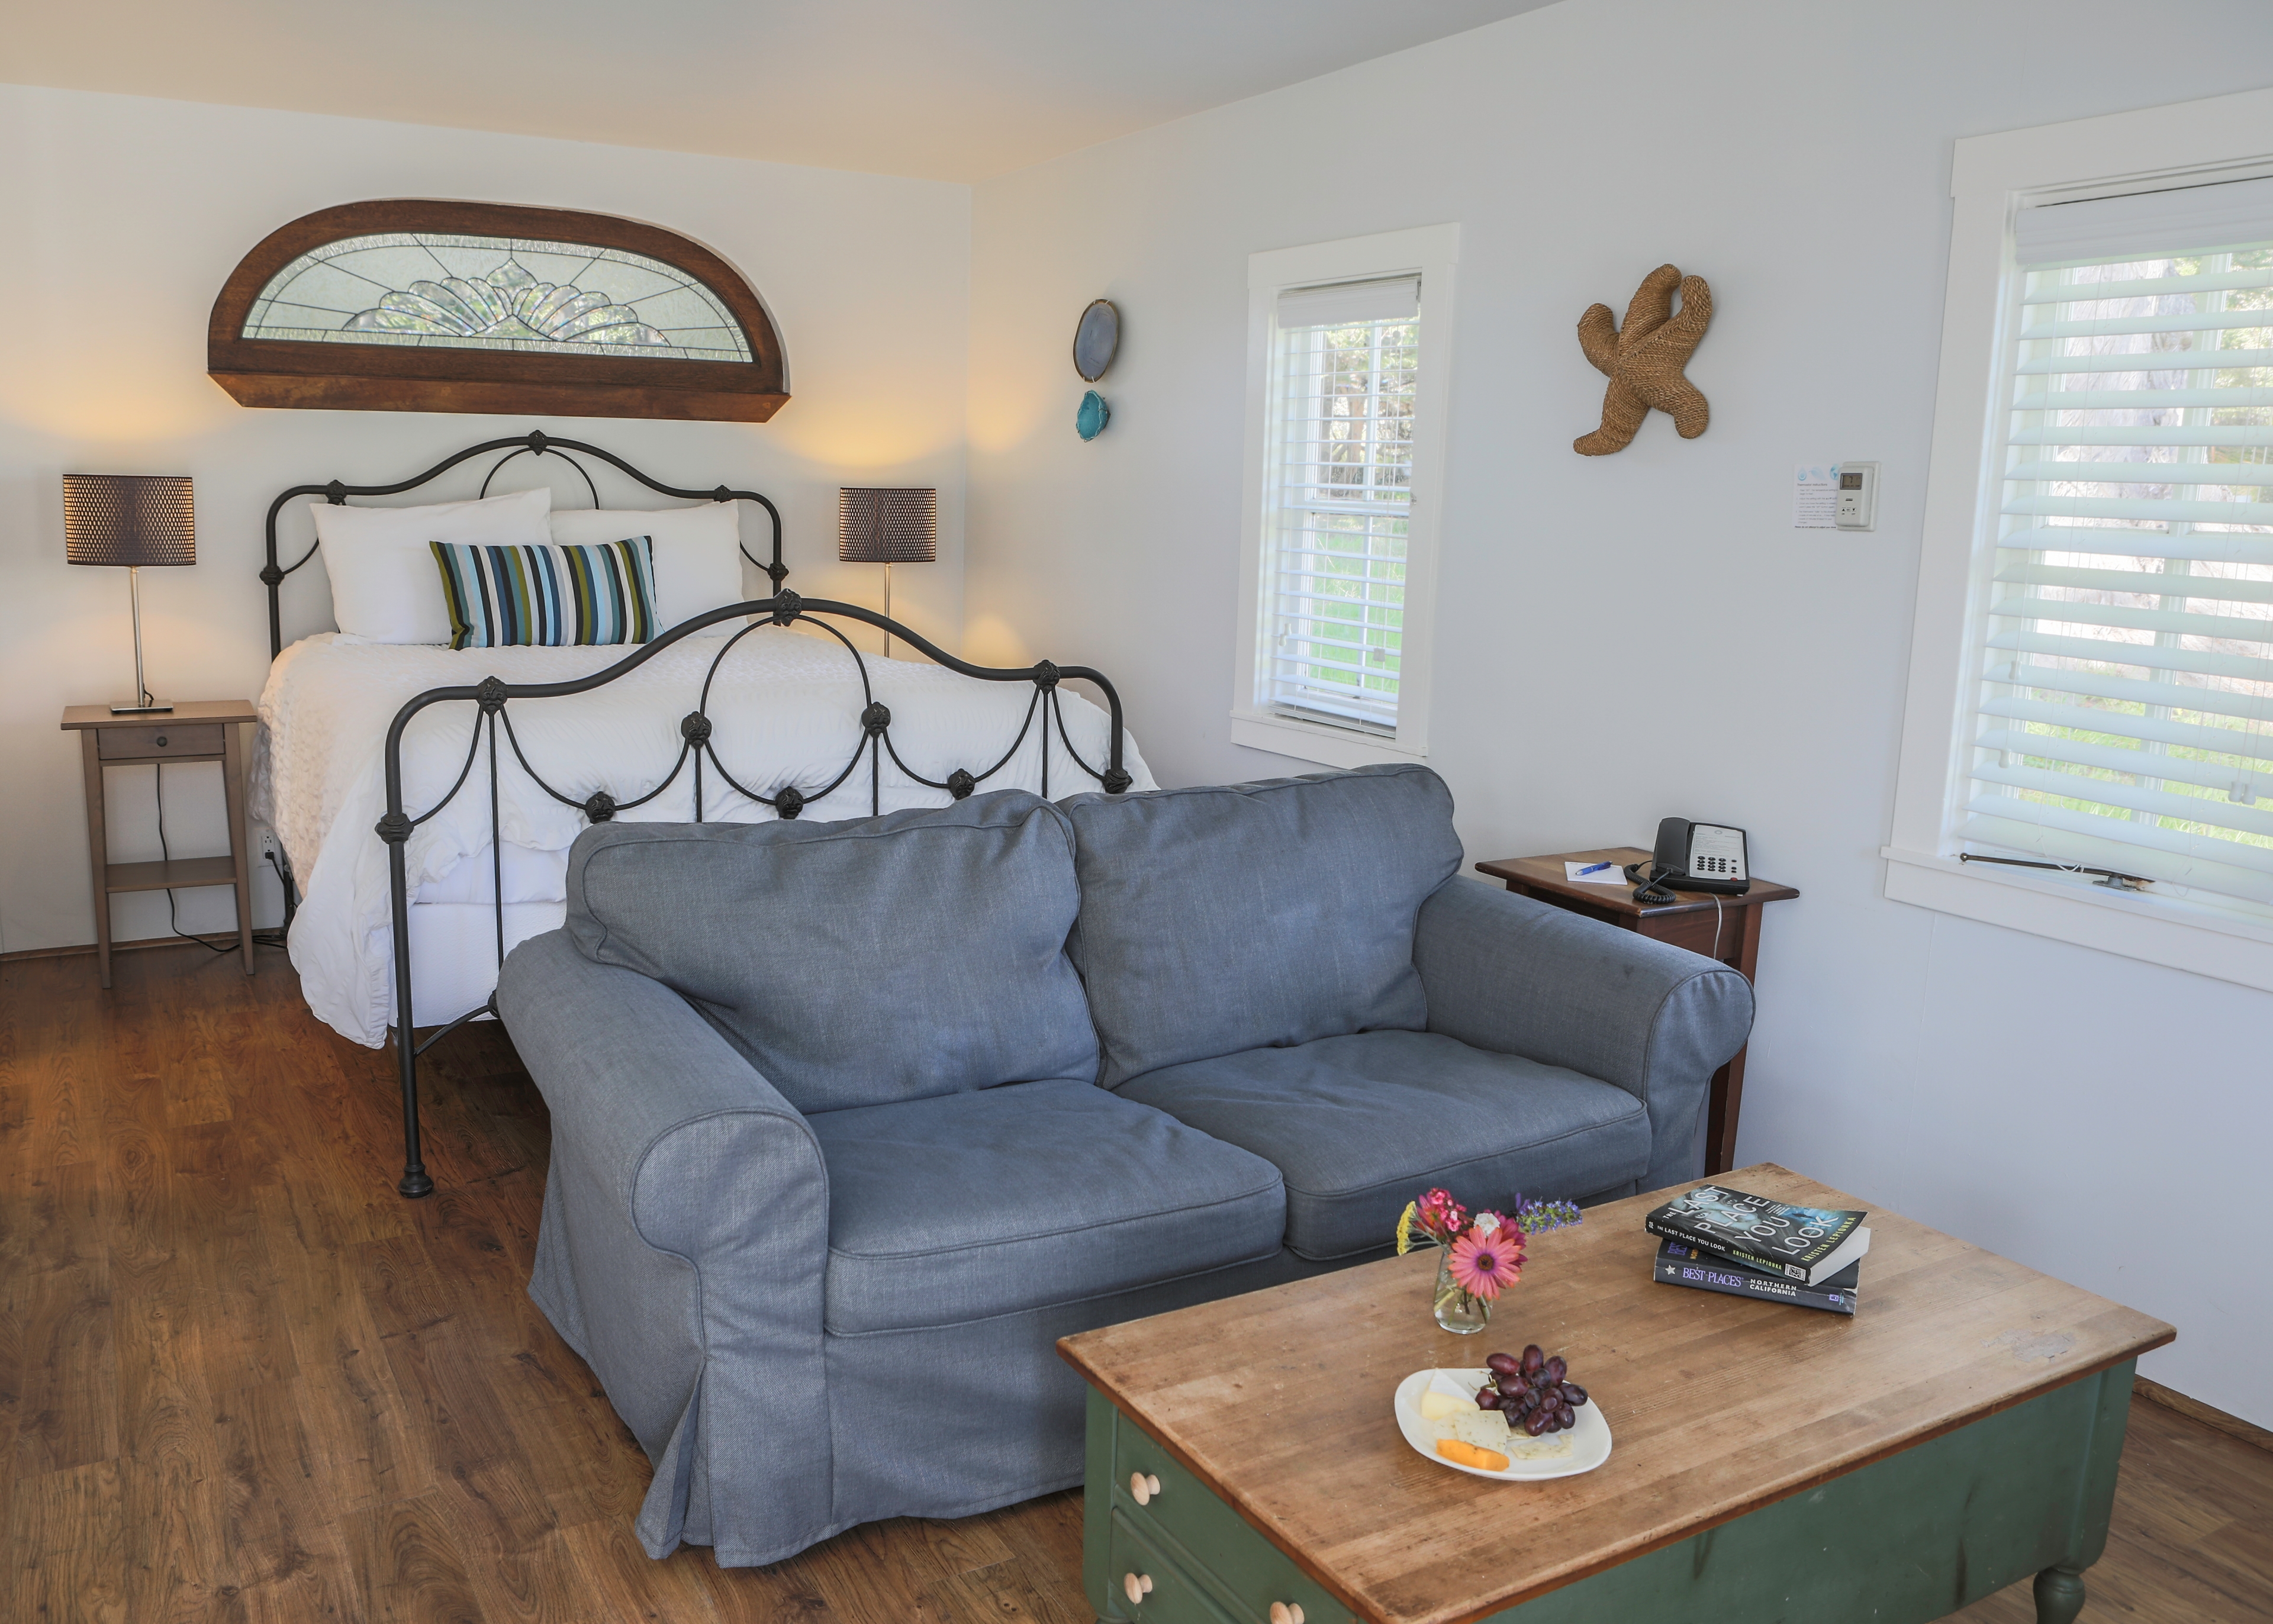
(1483,1263)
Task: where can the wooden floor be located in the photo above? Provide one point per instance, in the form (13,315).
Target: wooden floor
(241,1379)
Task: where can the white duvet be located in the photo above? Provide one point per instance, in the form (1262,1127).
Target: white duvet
(785,709)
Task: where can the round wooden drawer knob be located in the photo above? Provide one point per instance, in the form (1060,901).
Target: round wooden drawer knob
(1141,1488)
(1285,1613)
(1138,1586)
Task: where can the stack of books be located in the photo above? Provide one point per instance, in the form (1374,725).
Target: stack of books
(1718,1239)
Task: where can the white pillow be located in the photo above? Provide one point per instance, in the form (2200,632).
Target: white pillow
(698,558)
(385,586)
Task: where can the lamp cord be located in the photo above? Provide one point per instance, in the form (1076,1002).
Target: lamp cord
(260,939)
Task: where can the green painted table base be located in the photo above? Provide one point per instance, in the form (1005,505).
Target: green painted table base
(1909,1538)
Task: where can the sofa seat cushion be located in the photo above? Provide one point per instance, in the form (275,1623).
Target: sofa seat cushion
(856,962)
(1360,1126)
(965,1206)
(1223,918)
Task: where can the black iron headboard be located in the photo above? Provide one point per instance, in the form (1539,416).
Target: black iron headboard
(491,696)
(535,443)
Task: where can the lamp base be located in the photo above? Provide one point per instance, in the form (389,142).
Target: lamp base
(152,708)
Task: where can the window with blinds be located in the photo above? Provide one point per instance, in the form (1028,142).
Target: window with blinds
(1338,498)
(2124,713)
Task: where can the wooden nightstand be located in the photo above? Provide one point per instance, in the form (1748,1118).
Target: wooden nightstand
(194,730)
(1729,932)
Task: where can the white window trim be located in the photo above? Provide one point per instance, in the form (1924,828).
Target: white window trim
(1432,252)
(2225,138)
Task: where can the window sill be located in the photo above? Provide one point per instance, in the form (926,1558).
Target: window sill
(2136,926)
(1311,741)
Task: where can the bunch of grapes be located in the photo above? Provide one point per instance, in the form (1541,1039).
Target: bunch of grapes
(1531,1393)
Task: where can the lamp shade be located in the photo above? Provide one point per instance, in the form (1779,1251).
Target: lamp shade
(129,520)
(887,525)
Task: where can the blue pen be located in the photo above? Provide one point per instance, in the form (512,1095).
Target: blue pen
(1592,868)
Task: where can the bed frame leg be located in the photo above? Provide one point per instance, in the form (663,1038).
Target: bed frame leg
(415,1182)
(394,829)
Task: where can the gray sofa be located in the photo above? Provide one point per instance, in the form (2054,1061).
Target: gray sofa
(852,1121)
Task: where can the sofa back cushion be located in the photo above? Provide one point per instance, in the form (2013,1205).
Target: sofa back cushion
(1232,917)
(855,963)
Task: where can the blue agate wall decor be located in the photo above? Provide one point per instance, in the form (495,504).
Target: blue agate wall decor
(1089,421)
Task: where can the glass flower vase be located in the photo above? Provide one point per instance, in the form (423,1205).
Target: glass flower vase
(1462,1313)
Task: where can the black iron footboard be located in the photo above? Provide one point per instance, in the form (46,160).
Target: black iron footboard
(873,741)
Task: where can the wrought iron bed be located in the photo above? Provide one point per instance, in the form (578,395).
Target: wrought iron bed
(492,697)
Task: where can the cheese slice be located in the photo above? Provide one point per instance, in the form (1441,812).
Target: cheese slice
(1436,1406)
(1487,1429)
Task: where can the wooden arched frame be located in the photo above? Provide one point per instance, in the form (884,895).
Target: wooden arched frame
(401,378)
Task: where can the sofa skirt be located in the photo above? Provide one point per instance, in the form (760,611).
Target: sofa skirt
(940,1421)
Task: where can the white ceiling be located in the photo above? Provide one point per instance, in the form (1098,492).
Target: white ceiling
(947,89)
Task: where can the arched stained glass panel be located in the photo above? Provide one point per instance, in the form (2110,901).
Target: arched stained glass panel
(413,304)
(461,292)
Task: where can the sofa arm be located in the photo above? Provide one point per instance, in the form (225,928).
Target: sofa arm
(1507,973)
(683,1250)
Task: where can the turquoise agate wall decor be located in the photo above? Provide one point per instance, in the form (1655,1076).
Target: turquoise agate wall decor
(1089,421)
(1096,340)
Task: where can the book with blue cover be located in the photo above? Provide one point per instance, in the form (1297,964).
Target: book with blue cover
(1806,1244)
(1680,1265)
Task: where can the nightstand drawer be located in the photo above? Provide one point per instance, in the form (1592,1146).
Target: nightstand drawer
(158,740)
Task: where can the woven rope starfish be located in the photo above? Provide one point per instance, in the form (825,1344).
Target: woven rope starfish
(1644,359)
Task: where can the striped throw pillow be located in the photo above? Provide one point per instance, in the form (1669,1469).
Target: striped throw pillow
(549,596)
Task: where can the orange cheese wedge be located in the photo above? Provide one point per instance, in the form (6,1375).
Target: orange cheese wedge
(1469,1455)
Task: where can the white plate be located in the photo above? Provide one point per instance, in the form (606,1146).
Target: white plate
(1590,1437)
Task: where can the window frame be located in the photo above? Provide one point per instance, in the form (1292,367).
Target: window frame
(1432,252)
(2225,138)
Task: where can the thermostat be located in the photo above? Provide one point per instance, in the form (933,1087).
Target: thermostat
(1858,485)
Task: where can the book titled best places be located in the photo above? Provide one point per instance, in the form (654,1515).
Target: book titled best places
(1806,1244)
(1681,1265)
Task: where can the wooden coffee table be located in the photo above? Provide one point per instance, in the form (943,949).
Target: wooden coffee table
(1959,1433)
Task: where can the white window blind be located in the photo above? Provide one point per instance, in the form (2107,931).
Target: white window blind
(1338,500)
(2125,714)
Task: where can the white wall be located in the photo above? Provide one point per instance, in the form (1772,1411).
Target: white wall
(1626,637)
(123,215)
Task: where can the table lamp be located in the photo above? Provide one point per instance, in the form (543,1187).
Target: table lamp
(129,520)
(887,525)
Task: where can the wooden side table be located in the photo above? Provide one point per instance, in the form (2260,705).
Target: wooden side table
(195,731)
(1729,932)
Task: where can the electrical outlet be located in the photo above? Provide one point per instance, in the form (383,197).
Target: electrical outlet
(269,848)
